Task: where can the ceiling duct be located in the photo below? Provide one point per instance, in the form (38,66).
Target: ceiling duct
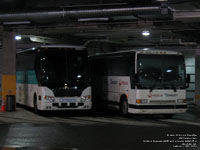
(77,13)
(177,42)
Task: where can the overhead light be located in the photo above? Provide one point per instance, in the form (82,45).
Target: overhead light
(92,19)
(145,33)
(169,70)
(79,76)
(145,49)
(18,37)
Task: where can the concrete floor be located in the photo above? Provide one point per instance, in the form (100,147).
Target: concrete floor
(96,130)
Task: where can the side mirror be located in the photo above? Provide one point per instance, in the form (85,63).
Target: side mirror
(136,79)
(187,81)
(188,78)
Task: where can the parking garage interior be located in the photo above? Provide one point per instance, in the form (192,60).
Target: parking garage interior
(102,27)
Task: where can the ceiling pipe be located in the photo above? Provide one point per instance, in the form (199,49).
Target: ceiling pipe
(66,14)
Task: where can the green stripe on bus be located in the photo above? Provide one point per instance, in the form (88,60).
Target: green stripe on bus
(26,77)
(20,76)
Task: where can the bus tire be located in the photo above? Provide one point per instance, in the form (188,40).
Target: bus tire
(35,104)
(124,107)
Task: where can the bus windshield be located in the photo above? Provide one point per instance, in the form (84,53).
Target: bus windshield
(161,71)
(60,67)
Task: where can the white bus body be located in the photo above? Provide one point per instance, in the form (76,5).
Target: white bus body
(47,79)
(140,82)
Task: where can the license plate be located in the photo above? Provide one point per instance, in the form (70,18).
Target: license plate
(67,100)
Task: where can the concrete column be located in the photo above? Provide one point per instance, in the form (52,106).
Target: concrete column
(197,77)
(8,64)
(190,69)
(0,79)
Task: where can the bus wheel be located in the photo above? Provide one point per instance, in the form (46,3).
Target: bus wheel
(124,107)
(35,104)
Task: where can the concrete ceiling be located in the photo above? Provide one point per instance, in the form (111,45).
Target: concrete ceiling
(182,29)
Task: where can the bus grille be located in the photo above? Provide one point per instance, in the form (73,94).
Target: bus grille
(161,101)
(66,105)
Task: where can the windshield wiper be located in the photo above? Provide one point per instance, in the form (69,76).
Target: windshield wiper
(152,87)
(155,84)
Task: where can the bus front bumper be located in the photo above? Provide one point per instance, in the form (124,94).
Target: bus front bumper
(67,106)
(157,109)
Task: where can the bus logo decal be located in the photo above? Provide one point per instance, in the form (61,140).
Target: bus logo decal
(113,81)
(149,95)
(171,95)
(154,95)
(123,83)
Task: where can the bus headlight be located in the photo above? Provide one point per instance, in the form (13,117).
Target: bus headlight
(141,101)
(84,98)
(181,101)
(49,98)
(87,97)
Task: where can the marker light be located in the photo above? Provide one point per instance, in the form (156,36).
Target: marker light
(181,101)
(49,98)
(145,33)
(18,37)
(141,101)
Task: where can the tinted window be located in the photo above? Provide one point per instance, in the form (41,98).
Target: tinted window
(62,66)
(161,71)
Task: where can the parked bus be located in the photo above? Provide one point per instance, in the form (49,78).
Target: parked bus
(140,82)
(54,78)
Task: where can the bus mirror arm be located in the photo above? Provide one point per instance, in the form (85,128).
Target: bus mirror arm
(188,79)
(187,83)
(136,79)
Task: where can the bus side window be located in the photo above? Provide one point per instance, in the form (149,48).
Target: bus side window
(38,66)
(119,66)
(133,76)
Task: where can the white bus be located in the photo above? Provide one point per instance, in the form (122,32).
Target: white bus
(54,78)
(140,82)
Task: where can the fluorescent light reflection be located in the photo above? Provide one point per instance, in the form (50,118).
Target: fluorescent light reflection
(145,33)
(18,37)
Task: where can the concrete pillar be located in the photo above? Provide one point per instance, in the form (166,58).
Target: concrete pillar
(0,71)
(190,69)
(197,77)
(8,64)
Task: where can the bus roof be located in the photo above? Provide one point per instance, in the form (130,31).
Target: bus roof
(159,52)
(53,46)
